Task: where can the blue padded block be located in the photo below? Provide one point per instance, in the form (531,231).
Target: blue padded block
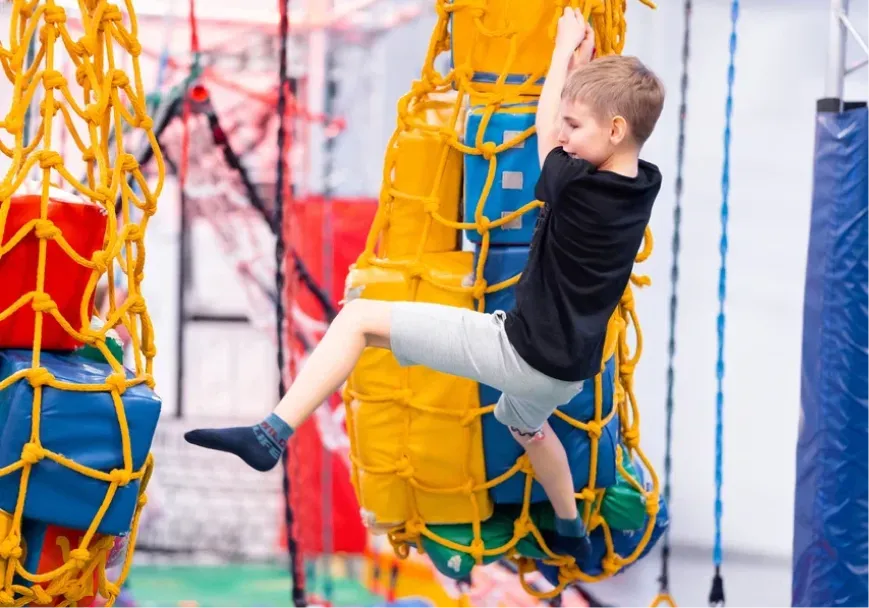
(33,533)
(624,542)
(831,494)
(82,426)
(499,447)
(517,171)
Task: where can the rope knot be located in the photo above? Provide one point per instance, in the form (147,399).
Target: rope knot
(40,376)
(145,122)
(469,417)
(42,596)
(414,527)
(627,300)
(32,453)
(128,162)
(120,476)
(632,438)
(14,123)
(88,44)
(111,13)
(431,205)
(80,556)
(117,383)
(11,547)
(75,591)
(477,548)
(103,194)
(611,564)
(6,599)
(138,306)
(112,590)
(521,527)
(150,207)
(653,503)
(52,79)
(54,14)
(81,75)
(149,379)
(45,229)
(587,495)
(99,260)
(120,79)
(594,429)
(488,149)
(49,159)
(93,112)
(133,232)
(42,302)
(143,500)
(483,225)
(479,290)
(134,48)
(88,154)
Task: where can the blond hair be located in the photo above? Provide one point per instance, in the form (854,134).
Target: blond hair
(617,85)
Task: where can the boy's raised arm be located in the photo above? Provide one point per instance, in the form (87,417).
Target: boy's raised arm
(574,44)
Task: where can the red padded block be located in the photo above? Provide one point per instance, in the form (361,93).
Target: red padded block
(83,225)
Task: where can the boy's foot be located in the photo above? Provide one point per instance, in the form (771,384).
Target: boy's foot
(260,445)
(570,538)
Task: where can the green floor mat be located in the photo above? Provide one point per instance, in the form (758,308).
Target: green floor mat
(240,585)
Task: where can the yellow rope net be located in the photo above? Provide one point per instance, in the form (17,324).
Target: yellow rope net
(103,110)
(434,108)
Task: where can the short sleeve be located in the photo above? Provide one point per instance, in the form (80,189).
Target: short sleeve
(558,170)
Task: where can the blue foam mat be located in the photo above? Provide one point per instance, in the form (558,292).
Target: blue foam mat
(82,426)
(831,532)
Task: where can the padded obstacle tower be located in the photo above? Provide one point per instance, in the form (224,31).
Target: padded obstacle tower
(431,465)
(75,425)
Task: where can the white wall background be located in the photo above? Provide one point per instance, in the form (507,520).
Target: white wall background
(779,76)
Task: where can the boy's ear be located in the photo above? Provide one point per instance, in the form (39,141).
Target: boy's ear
(618,130)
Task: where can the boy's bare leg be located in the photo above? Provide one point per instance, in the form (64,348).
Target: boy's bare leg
(360,323)
(547,456)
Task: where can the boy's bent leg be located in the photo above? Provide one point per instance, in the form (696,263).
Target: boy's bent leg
(527,423)
(360,323)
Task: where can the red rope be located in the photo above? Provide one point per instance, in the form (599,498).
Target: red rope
(185,120)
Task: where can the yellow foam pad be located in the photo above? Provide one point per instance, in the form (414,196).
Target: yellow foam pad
(420,156)
(515,38)
(416,446)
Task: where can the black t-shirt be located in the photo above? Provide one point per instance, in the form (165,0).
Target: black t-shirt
(580,261)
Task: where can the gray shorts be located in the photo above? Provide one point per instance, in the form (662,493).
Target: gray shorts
(474,345)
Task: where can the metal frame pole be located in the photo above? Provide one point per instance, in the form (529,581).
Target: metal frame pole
(835,81)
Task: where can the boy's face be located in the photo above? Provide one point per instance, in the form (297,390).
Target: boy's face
(583,135)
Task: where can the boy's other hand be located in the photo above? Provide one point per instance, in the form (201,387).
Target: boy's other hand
(583,54)
(572,30)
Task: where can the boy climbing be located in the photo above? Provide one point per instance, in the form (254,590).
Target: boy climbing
(593,118)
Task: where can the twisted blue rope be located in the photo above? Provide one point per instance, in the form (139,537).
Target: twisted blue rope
(722,286)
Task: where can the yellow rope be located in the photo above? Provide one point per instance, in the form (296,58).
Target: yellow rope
(607,18)
(100,106)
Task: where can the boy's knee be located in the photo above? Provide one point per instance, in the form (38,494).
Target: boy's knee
(526,438)
(368,317)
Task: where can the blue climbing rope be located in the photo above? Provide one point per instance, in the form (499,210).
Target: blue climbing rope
(716,595)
